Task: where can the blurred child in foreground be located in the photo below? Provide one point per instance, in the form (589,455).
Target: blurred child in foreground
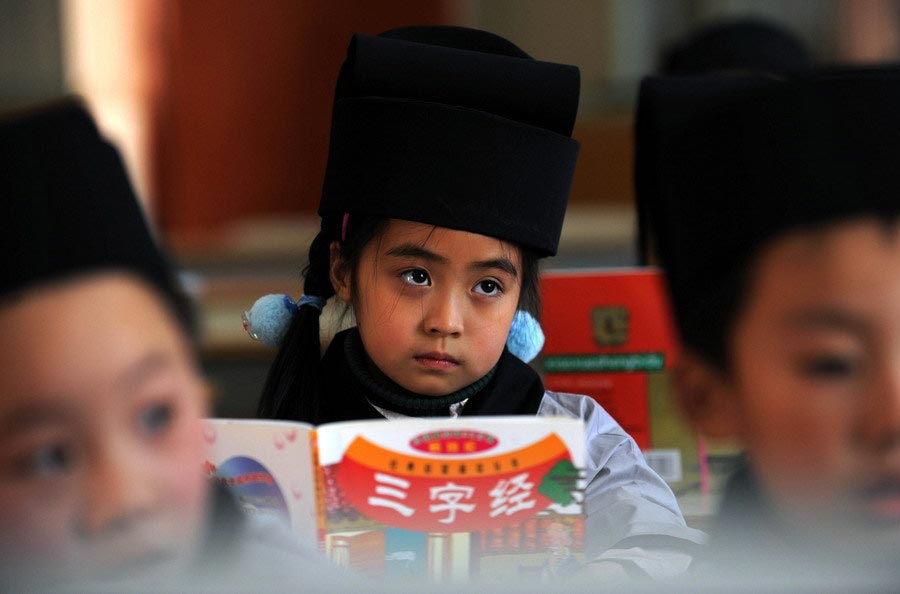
(101,398)
(774,206)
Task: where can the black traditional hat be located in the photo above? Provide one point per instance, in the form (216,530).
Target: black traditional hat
(726,164)
(70,207)
(746,44)
(453,127)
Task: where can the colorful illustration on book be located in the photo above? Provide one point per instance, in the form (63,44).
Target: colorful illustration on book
(282,485)
(254,487)
(406,553)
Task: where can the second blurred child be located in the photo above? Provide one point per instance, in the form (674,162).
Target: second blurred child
(775,207)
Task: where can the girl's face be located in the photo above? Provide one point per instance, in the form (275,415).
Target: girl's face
(100,446)
(433,305)
(814,389)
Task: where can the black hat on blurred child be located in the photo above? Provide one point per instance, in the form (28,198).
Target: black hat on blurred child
(71,209)
(453,127)
(725,164)
(748,44)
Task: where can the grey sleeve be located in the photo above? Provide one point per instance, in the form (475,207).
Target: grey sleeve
(624,498)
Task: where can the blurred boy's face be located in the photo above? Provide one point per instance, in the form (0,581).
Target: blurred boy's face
(814,389)
(99,442)
(434,305)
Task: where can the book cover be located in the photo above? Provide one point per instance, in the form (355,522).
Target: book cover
(610,335)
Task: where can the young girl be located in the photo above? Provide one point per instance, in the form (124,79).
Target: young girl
(101,400)
(448,176)
(775,206)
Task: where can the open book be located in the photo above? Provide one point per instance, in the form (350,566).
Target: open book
(437,499)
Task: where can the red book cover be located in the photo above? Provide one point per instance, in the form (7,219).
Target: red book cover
(610,335)
(605,332)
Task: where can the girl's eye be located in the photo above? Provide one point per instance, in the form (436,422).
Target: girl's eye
(417,277)
(829,367)
(156,419)
(48,461)
(488,287)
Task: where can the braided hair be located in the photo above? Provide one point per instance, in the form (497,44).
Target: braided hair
(292,385)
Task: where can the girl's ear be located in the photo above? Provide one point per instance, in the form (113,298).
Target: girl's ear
(706,397)
(340,276)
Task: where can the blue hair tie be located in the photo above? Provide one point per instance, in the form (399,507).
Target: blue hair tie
(526,339)
(317,302)
(269,318)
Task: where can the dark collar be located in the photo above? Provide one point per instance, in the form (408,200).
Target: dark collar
(386,394)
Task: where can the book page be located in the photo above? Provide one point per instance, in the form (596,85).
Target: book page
(268,467)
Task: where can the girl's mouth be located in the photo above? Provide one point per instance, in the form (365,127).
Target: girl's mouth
(437,361)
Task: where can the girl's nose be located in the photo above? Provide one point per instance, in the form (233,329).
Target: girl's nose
(117,493)
(443,315)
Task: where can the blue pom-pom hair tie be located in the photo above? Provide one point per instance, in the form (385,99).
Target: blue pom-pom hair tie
(526,338)
(269,318)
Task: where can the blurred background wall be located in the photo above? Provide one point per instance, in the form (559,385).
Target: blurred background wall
(222,110)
